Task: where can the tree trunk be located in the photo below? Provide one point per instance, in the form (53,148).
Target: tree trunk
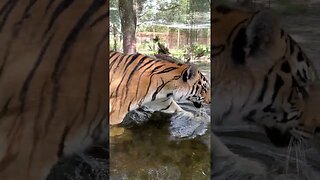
(128,25)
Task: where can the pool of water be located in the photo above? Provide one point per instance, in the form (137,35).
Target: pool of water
(157,149)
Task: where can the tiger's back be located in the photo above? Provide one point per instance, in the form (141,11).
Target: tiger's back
(52,81)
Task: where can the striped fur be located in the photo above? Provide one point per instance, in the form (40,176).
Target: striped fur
(260,74)
(137,80)
(52,83)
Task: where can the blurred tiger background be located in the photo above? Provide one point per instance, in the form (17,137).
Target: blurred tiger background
(53,83)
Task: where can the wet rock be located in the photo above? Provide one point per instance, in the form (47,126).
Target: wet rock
(187,127)
(181,125)
(138,116)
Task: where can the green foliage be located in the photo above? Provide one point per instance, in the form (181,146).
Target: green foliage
(199,50)
(177,53)
(172,11)
(114,17)
(152,15)
(148,47)
(199,5)
(150,28)
(112,44)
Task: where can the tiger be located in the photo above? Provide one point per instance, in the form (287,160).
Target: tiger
(137,80)
(53,83)
(262,76)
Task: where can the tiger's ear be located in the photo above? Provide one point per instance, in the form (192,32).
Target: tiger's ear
(190,73)
(262,31)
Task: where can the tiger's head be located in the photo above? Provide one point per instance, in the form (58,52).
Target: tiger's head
(192,86)
(261,75)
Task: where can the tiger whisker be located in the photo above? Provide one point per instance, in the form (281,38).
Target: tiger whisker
(288,155)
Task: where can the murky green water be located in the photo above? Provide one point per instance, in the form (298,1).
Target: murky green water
(149,152)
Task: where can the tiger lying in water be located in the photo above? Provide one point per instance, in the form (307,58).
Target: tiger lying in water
(262,76)
(137,80)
